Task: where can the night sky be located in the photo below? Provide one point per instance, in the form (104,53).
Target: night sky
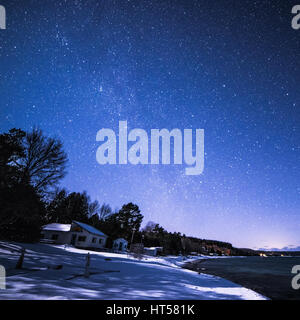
(228,67)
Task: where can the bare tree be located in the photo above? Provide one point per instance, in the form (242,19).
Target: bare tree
(105,211)
(44,162)
(93,208)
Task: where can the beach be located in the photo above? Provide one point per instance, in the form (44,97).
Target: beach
(269,276)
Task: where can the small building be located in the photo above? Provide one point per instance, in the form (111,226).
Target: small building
(153,251)
(78,234)
(120,244)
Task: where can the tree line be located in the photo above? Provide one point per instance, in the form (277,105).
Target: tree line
(31,167)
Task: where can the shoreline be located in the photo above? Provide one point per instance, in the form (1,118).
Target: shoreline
(199,267)
(261,275)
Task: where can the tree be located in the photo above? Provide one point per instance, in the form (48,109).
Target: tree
(129,217)
(22,213)
(77,207)
(150,226)
(93,208)
(30,163)
(99,214)
(11,154)
(44,163)
(122,223)
(56,208)
(64,208)
(105,211)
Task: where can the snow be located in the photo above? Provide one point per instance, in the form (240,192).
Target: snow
(121,240)
(57,227)
(113,276)
(90,228)
(67,227)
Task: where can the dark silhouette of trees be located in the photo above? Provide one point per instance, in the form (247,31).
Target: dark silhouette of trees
(130,217)
(44,163)
(11,154)
(150,226)
(122,223)
(56,207)
(30,163)
(176,243)
(22,213)
(31,159)
(64,208)
(99,215)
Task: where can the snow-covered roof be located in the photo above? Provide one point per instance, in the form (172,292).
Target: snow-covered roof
(90,228)
(67,227)
(57,227)
(120,240)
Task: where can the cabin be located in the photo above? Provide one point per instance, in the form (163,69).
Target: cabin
(153,251)
(78,234)
(120,245)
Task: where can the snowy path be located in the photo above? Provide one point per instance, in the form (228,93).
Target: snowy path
(113,276)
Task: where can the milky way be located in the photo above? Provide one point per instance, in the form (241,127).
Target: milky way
(228,67)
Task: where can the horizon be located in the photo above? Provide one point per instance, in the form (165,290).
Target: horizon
(231,70)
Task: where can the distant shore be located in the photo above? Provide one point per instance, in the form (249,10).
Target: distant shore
(269,276)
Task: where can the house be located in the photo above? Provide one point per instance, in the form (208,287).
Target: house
(153,251)
(78,234)
(120,244)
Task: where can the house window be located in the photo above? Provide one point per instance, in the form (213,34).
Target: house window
(94,240)
(54,237)
(100,240)
(81,239)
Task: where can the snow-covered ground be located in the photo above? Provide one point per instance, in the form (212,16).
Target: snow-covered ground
(113,276)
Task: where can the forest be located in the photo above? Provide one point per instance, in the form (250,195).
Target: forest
(31,168)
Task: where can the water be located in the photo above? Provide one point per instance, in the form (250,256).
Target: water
(270,276)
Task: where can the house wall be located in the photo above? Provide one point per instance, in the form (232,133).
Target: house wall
(116,245)
(65,237)
(88,243)
(150,252)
